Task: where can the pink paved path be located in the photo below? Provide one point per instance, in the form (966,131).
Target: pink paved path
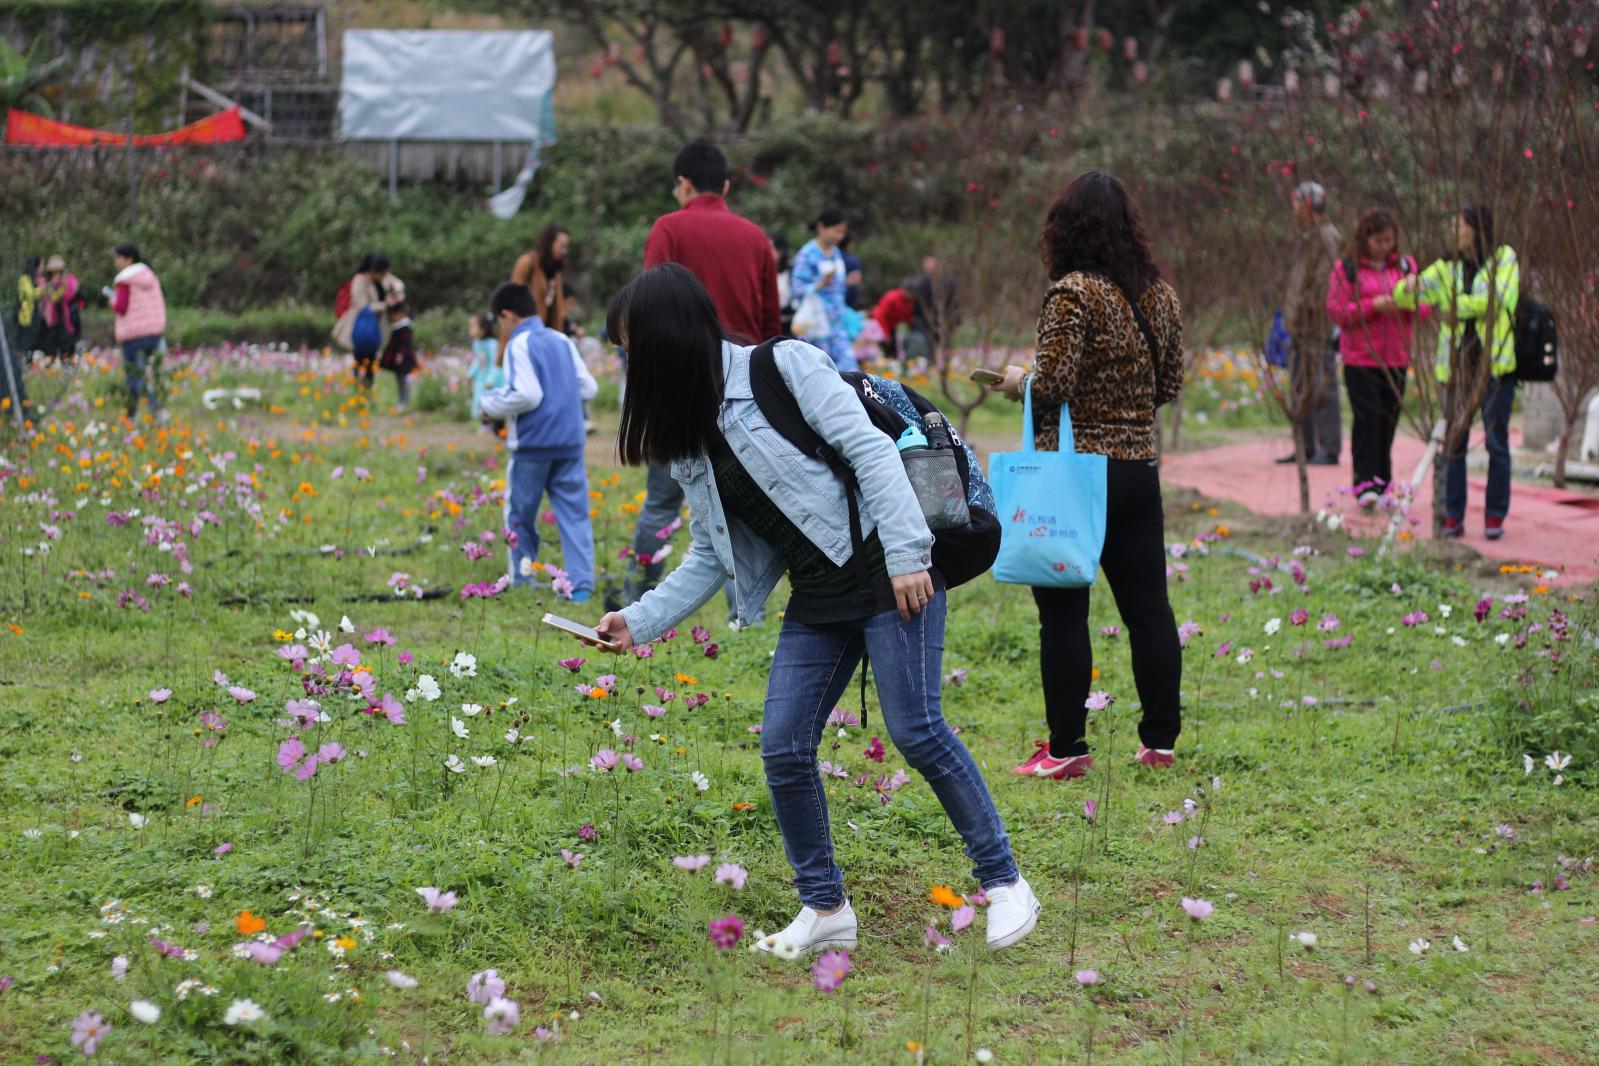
(1546,525)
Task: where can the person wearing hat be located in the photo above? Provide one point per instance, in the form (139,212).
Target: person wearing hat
(60,306)
(820,279)
(1313,357)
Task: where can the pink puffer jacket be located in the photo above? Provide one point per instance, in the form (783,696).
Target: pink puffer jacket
(141,309)
(1367,338)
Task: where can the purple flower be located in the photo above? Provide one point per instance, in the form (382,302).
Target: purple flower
(438,902)
(1090,808)
(88,1029)
(1098,701)
(406,658)
(1225,649)
(380,636)
(956,677)
(391,708)
(240,693)
(700,634)
(346,655)
(874,750)
(1299,617)
(222,848)
(934,939)
(160,695)
(830,969)
(690,862)
(725,932)
(1187,631)
(586,832)
(1110,631)
(484,986)
(961,917)
(1198,909)
(712,650)
(293,758)
(1414,618)
(571,858)
(1173,818)
(295,654)
(632,763)
(1484,606)
(841,717)
(1329,623)
(1087,977)
(732,875)
(330,753)
(653,710)
(604,760)
(502,1015)
(644,651)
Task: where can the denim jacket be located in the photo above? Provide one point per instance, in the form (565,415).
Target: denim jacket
(809,493)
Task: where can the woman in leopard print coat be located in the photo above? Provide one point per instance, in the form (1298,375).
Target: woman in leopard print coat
(1110,347)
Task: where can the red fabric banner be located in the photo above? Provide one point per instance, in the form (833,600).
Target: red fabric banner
(22,127)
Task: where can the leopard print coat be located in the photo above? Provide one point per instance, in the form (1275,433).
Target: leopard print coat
(1093,357)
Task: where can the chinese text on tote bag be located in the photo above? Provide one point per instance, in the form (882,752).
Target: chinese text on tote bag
(1051,509)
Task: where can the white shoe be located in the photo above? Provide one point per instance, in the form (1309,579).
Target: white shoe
(810,931)
(1012,913)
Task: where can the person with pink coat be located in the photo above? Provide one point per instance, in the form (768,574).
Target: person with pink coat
(1374,340)
(141,321)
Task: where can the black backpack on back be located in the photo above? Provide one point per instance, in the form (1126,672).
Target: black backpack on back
(1537,341)
(959,554)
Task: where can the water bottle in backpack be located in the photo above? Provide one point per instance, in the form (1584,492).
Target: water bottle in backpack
(930,463)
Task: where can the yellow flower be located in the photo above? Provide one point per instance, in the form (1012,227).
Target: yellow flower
(282,635)
(345,942)
(685,679)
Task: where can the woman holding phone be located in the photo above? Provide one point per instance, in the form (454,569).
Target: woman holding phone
(1110,347)
(760,508)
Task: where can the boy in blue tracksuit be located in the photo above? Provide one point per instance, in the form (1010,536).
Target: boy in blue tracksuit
(541,404)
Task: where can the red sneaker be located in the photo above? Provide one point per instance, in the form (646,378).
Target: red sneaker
(1155,756)
(1061,769)
(1041,749)
(1454,528)
(1493,527)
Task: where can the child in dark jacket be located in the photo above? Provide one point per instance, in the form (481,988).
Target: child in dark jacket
(399,355)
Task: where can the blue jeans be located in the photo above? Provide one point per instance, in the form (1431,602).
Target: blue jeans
(135,366)
(810,671)
(1496,401)
(526,482)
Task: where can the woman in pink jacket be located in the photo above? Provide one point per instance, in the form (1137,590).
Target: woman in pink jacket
(1374,339)
(141,320)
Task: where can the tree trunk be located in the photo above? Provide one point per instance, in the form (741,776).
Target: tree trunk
(1304,472)
(1561,451)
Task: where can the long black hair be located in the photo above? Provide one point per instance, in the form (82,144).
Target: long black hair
(668,325)
(544,251)
(1480,217)
(1093,227)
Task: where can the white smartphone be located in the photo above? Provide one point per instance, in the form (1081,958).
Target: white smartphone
(987,377)
(581,632)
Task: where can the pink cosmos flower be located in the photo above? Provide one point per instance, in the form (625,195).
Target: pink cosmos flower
(664,695)
(700,634)
(712,650)
(346,655)
(1173,817)
(330,753)
(698,699)
(1098,701)
(303,712)
(220,678)
(956,677)
(961,917)
(732,875)
(842,718)
(380,636)
(293,758)
(1110,631)
(256,951)
(88,1029)
(438,902)
(240,693)
(573,665)
(690,862)
(726,932)
(406,658)
(160,695)
(632,763)
(978,898)
(604,760)
(295,654)
(484,986)
(502,1015)
(1087,977)
(222,848)
(1198,909)
(874,750)
(1186,632)
(1090,808)
(586,832)
(654,711)
(1415,618)
(1329,623)
(830,969)
(119,967)
(935,940)
(571,858)
(391,708)
(644,651)
(1299,617)
(1484,606)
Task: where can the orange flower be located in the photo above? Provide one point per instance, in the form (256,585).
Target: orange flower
(685,679)
(249,924)
(741,805)
(193,801)
(16,630)
(599,694)
(946,897)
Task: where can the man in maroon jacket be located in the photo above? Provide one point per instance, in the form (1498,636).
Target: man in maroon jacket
(734,260)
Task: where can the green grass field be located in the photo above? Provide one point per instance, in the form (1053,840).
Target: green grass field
(1370,798)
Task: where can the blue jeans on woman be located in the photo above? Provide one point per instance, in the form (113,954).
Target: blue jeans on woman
(135,367)
(812,668)
(1496,402)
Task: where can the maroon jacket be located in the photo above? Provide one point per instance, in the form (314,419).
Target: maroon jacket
(731,257)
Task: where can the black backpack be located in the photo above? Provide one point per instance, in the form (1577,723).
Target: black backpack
(959,554)
(1537,342)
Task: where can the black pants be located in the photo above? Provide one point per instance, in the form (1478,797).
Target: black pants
(1375,396)
(1314,376)
(366,364)
(1134,561)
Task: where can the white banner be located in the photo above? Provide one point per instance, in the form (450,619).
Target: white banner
(446,85)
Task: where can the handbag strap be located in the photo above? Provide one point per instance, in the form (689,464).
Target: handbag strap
(1149,335)
(1068,440)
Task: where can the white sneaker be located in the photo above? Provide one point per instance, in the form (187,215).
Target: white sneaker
(1012,913)
(810,931)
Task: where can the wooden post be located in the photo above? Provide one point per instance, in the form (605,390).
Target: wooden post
(394,171)
(498,161)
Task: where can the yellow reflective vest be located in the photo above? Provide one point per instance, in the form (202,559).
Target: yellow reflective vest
(1488,306)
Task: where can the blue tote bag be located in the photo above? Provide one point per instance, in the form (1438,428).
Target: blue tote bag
(1051,509)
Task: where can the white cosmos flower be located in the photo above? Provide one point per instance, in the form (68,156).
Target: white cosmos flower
(345,625)
(454,764)
(471,710)
(786,950)
(428,687)
(458,727)
(701,782)
(1556,761)
(137,820)
(241,1011)
(401,980)
(525,567)
(512,736)
(1460,945)
(616,727)
(464,665)
(1527,764)
(484,761)
(305,618)
(1502,639)
(1306,940)
(145,1011)
(321,642)
(1273,625)
(1419,945)
(1445,609)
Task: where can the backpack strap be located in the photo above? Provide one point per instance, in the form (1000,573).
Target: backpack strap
(1350,268)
